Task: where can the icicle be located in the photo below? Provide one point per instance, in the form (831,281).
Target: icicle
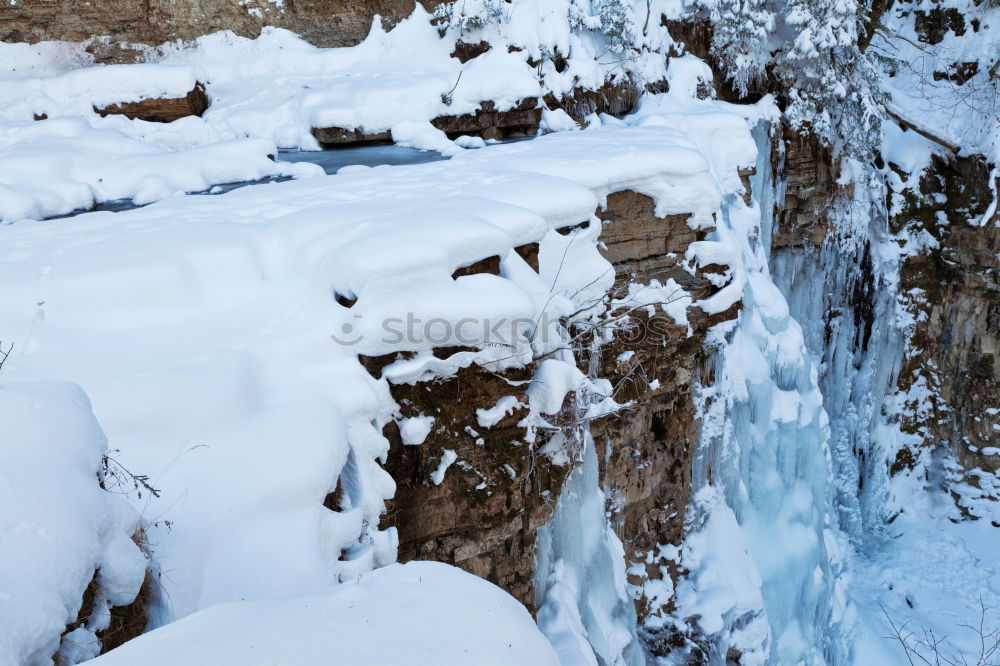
(765,450)
(583,607)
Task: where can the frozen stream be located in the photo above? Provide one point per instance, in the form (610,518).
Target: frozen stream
(331,160)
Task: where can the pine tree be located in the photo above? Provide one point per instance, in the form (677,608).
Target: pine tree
(740,31)
(832,85)
(471,15)
(617,21)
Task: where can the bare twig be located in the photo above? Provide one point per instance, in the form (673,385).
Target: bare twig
(446,98)
(929,648)
(5,354)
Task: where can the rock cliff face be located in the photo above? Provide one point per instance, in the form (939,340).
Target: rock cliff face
(324,23)
(807,168)
(485,514)
(951,286)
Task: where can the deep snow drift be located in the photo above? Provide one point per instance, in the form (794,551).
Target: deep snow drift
(420,613)
(218,340)
(58,526)
(201,329)
(57,154)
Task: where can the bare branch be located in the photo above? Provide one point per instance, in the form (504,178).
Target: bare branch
(5,354)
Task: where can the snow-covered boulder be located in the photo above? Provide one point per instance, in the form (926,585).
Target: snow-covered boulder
(57,525)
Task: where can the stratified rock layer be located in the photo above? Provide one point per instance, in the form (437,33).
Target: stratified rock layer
(953,291)
(485,514)
(322,22)
(161,109)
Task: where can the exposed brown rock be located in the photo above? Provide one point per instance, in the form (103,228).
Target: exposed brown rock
(321,22)
(616,97)
(489,265)
(465,51)
(931,26)
(522,120)
(747,188)
(487,122)
(959,72)
(695,37)
(161,109)
(480,518)
(661,431)
(126,622)
(529,253)
(955,345)
(338,136)
(485,514)
(642,246)
(811,187)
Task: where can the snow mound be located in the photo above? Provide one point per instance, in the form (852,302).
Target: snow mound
(57,525)
(220,337)
(246,392)
(78,91)
(60,165)
(57,154)
(411,614)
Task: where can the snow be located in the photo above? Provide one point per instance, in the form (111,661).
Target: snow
(386,80)
(420,613)
(275,88)
(397,80)
(487,418)
(552,381)
(43,59)
(448,457)
(208,335)
(670,298)
(932,573)
(201,328)
(60,165)
(962,114)
(414,430)
(77,92)
(58,526)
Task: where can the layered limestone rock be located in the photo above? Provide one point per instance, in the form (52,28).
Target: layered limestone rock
(646,452)
(161,109)
(951,287)
(323,22)
(484,515)
(487,122)
(806,165)
(949,284)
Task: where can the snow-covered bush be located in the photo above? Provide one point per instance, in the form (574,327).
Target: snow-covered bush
(810,49)
(614,21)
(469,15)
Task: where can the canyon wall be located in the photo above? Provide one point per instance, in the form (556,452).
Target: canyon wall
(485,514)
(950,285)
(324,23)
